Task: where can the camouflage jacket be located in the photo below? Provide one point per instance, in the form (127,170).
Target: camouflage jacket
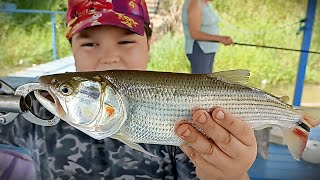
(63,152)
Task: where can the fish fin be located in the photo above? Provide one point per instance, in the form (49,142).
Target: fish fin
(296,139)
(261,127)
(311,115)
(237,76)
(123,138)
(262,137)
(284,99)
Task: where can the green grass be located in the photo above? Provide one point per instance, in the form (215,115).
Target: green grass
(168,54)
(276,68)
(24,42)
(262,22)
(24,46)
(270,24)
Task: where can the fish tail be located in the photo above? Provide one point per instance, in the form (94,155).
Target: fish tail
(311,115)
(296,139)
(297,136)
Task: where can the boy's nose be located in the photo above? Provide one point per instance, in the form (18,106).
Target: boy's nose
(110,57)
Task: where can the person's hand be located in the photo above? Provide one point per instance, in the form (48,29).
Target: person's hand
(227,152)
(226,40)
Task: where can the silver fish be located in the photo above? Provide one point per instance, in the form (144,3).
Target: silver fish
(144,107)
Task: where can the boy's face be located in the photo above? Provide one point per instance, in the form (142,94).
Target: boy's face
(102,48)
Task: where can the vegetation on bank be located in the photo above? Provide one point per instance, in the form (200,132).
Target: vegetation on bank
(269,23)
(26,40)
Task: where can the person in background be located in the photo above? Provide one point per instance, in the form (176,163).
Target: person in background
(107,35)
(202,36)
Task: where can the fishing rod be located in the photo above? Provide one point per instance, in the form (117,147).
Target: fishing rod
(272,47)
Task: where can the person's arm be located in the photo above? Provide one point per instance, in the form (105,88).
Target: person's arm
(195,18)
(228,149)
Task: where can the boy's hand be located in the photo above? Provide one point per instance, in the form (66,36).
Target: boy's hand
(228,154)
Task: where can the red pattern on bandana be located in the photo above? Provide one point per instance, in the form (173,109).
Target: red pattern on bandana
(129,14)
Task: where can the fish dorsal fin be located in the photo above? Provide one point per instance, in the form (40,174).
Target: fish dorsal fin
(237,76)
(284,99)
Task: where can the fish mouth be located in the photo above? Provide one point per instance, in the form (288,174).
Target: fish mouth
(46,95)
(49,101)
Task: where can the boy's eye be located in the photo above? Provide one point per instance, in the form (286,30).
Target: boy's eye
(125,42)
(90,44)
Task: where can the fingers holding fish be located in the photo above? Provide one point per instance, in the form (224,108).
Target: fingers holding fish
(221,147)
(196,140)
(204,169)
(225,141)
(240,129)
(213,130)
(214,166)
(205,148)
(240,144)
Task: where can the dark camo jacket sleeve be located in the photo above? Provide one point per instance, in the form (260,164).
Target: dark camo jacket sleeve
(63,152)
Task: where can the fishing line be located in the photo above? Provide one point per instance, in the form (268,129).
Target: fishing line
(267,31)
(279,48)
(272,47)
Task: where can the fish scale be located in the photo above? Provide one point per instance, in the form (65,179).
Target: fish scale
(161,106)
(144,107)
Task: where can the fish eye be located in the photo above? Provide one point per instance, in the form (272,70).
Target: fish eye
(66,89)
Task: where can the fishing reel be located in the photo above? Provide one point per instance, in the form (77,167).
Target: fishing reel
(15,102)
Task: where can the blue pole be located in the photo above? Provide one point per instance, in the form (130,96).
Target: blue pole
(312,4)
(54,36)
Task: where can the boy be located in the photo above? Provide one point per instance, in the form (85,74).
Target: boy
(104,35)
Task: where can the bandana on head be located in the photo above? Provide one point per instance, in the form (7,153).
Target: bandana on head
(128,14)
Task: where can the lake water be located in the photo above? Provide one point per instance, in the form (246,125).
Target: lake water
(310,95)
